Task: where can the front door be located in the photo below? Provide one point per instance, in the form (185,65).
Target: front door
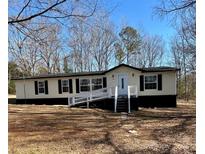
(122,84)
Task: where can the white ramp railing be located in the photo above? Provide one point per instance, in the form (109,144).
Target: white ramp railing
(94,95)
(88,96)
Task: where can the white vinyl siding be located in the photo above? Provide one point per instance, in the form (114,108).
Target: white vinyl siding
(168,82)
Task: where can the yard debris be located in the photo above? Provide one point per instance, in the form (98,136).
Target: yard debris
(133,132)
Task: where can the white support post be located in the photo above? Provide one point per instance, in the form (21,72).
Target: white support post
(87,103)
(91,96)
(90,93)
(73,100)
(91,89)
(128,99)
(68,101)
(116,95)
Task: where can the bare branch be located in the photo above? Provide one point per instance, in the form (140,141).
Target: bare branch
(23,9)
(177,8)
(37,14)
(173,7)
(72,15)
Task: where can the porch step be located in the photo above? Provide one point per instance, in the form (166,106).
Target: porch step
(122,96)
(122,104)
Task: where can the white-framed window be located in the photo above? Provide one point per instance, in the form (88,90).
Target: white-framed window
(97,83)
(65,85)
(151,82)
(84,85)
(41,87)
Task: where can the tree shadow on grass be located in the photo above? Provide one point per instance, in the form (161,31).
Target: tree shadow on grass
(175,132)
(87,125)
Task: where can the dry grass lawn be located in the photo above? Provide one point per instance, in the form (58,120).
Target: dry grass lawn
(58,130)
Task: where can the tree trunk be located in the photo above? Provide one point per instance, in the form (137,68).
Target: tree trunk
(127,58)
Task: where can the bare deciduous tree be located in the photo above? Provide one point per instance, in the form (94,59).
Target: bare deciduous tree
(35,21)
(78,43)
(26,54)
(174,7)
(31,19)
(49,51)
(30,54)
(151,51)
(27,10)
(184,60)
(183,14)
(91,43)
(102,41)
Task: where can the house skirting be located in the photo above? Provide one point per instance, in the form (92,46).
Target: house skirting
(12,100)
(41,101)
(108,103)
(157,101)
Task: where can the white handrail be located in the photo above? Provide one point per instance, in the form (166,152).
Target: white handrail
(101,94)
(116,95)
(88,97)
(134,91)
(129,99)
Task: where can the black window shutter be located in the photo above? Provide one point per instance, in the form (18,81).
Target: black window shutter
(36,87)
(159,81)
(59,87)
(46,87)
(70,86)
(77,85)
(104,82)
(141,82)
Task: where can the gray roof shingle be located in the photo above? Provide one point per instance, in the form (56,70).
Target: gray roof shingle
(58,75)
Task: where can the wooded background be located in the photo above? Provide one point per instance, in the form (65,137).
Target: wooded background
(62,36)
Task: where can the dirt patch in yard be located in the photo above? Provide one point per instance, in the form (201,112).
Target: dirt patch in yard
(58,129)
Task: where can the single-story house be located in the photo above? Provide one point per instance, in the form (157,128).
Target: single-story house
(120,88)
